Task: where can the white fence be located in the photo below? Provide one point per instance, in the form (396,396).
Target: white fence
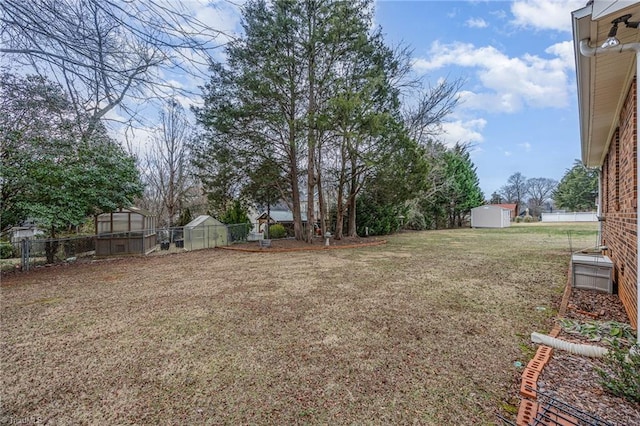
(570,217)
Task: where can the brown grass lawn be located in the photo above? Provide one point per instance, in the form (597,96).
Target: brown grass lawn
(424,329)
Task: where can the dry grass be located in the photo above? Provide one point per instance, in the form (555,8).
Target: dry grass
(424,329)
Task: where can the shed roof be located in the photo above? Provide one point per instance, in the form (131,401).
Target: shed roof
(201,220)
(491,207)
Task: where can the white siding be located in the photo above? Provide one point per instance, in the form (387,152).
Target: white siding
(490,217)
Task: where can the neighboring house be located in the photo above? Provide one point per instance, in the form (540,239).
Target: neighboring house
(608,107)
(26,230)
(513,209)
(283,217)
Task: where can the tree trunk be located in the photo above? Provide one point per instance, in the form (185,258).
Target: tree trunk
(352,219)
(51,247)
(321,206)
(311,130)
(295,200)
(340,208)
(339,217)
(353,187)
(268,217)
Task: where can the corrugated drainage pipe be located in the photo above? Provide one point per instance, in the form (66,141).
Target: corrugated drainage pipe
(574,348)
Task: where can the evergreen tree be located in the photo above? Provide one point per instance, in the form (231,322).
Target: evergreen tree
(50,172)
(462,192)
(578,189)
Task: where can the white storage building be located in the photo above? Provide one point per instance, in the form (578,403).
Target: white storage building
(490,216)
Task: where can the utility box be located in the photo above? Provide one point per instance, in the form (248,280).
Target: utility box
(592,272)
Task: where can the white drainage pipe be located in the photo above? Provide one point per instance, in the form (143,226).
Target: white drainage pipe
(574,348)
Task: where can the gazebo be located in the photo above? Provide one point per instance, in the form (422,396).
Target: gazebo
(125,231)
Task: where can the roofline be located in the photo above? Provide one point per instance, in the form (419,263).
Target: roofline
(581,18)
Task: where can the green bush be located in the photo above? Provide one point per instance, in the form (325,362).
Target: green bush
(379,218)
(518,219)
(416,221)
(6,250)
(529,219)
(621,374)
(277,231)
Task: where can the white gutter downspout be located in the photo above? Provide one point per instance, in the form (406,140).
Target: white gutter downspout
(587,50)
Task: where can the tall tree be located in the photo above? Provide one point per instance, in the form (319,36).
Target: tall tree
(167,166)
(367,121)
(540,191)
(462,192)
(578,189)
(254,107)
(50,172)
(431,202)
(217,154)
(32,112)
(274,98)
(383,204)
(516,189)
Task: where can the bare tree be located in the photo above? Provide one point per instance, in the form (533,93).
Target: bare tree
(424,119)
(516,189)
(167,165)
(104,52)
(540,191)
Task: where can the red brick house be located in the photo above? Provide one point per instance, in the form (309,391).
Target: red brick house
(607,52)
(513,209)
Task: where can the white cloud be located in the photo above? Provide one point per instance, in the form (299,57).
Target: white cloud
(526,146)
(499,14)
(507,153)
(508,83)
(564,52)
(545,14)
(464,131)
(476,23)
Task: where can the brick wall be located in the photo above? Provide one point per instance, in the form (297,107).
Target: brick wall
(619,205)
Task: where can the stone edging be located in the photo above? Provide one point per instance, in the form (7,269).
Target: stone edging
(528,406)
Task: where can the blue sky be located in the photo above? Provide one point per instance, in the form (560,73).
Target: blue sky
(518,105)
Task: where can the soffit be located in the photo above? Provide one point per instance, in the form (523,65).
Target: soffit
(603,80)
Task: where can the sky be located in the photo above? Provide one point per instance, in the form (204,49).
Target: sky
(518,104)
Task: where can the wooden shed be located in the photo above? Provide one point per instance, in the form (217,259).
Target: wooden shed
(125,231)
(490,216)
(205,232)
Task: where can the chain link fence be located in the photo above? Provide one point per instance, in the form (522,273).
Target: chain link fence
(29,253)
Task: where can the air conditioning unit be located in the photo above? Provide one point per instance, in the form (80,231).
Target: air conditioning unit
(592,272)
